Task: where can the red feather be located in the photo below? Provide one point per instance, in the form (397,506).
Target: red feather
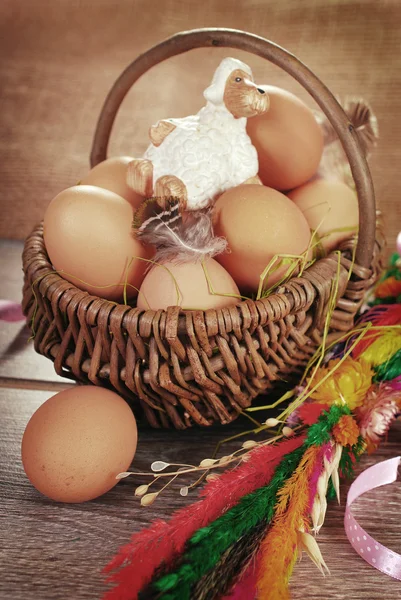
(163,541)
(309,412)
(381,315)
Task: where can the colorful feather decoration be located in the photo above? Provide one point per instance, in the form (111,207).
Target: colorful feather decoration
(389,369)
(246,587)
(389,288)
(207,545)
(232,565)
(380,315)
(163,541)
(280,547)
(240,540)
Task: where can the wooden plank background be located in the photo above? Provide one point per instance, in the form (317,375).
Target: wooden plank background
(60,58)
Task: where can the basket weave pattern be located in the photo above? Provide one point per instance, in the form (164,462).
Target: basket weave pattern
(185,367)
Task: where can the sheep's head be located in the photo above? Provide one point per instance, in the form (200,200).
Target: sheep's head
(233,87)
(242,97)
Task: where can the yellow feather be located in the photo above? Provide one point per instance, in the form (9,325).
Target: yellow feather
(383,348)
(279,549)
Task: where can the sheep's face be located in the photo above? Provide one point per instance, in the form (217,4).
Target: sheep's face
(243,98)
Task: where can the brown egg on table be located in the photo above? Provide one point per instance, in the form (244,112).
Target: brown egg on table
(77,442)
(288,140)
(88,237)
(330,207)
(258,223)
(186,284)
(111,174)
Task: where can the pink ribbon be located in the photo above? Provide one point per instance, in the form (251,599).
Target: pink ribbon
(11,311)
(374,553)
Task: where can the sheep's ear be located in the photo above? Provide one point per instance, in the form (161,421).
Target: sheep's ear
(160,131)
(213,94)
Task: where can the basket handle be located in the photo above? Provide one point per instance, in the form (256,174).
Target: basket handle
(232,38)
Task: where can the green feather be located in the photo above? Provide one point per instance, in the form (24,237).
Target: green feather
(208,544)
(331,490)
(393,269)
(390,369)
(387,300)
(320,432)
(350,455)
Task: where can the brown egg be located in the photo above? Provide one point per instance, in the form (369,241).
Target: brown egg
(77,442)
(258,223)
(288,140)
(328,206)
(88,236)
(111,174)
(186,285)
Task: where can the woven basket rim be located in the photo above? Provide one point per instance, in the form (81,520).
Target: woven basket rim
(63,316)
(46,269)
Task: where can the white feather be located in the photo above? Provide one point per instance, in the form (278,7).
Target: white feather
(174,239)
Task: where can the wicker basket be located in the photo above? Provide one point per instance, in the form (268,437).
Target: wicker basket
(187,367)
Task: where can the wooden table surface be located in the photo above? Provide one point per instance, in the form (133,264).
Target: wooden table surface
(53,551)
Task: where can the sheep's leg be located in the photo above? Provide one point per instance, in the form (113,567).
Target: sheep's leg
(140,177)
(253,180)
(160,131)
(169,186)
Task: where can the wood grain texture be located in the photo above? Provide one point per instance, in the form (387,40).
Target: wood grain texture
(53,551)
(59,62)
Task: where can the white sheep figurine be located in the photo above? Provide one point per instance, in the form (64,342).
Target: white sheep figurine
(197,158)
